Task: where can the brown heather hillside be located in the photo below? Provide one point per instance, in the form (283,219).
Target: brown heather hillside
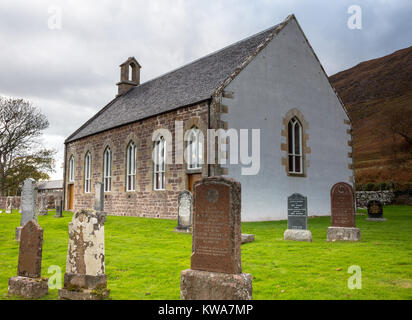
(378,95)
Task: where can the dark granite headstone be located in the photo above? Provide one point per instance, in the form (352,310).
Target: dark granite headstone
(58,204)
(375,209)
(216,226)
(99,197)
(297,212)
(342,205)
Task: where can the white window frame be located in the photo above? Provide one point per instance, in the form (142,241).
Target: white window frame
(131,167)
(295,122)
(159,165)
(87,172)
(71,169)
(107,170)
(194,149)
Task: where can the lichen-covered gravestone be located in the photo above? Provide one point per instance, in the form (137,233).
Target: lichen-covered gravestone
(85,277)
(43,210)
(216,270)
(375,211)
(58,204)
(342,214)
(28,204)
(297,219)
(9,204)
(185,207)
(28,282)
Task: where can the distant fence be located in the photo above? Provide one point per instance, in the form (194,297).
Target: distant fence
(17,200)
(384,196)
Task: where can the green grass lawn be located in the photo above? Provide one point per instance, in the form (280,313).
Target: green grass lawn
(144,257)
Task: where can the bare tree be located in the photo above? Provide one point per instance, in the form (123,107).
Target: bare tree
(21,153)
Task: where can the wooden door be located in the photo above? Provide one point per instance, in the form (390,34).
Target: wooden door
(192,178)
(70,197)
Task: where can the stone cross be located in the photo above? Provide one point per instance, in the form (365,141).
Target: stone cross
(216,226)
(99,197)
(185,207)
(9,204)
(85,265)
(30,254)
(43,205)
(28,204)
(58,204)
(342,205)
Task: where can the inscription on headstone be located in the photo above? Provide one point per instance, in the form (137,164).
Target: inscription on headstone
(216,226)
(297,212)
(342,205)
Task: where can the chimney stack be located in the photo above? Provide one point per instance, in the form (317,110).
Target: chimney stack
(129,75)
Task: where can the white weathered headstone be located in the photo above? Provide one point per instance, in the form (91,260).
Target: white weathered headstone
(28,204)
(9,204)
(43,210)
(185,208)
(85,265)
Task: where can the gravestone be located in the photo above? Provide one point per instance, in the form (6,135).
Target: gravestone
(342,214)
(9,204)
(85,277)
(99,197)
(28,282)
(216,270)
(185,207)
(375,211)
(58,204)
(297,219)
(28,204)
(43,210)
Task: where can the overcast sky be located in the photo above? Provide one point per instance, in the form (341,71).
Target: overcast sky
(70,73)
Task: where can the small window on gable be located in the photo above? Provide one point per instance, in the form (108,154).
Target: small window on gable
(159,171)
(195,149)
(71,169)
(87,172)
(131,167)
(295,155)
(107,170)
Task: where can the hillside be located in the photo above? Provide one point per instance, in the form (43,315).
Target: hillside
(378,96)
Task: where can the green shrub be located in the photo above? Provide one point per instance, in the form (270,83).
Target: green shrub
(359,187)
(370,186)
(383,186)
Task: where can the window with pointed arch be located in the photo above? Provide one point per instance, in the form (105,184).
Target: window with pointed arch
(194,149)
(71,169)
(295,146)
(87,172)
(159,171)
(107,170)
(131,167)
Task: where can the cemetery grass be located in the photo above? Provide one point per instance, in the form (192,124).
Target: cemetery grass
(144,258)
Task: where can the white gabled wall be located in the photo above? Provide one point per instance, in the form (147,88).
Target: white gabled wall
(283,76)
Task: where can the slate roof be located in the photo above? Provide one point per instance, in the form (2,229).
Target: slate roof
(190,84)
(53,184)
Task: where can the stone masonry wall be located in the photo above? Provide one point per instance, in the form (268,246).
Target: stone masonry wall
(363,197)
(144,201)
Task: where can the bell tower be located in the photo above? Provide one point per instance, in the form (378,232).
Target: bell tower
(129,75)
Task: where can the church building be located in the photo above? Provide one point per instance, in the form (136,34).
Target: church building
(270,90)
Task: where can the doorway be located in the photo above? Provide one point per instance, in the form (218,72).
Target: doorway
(70,197)
(192,178)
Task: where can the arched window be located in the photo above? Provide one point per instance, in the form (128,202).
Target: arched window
(295,146)
(195,149)
(71,169)
(131,167)
(87,172)
(159,163)
(107,170)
